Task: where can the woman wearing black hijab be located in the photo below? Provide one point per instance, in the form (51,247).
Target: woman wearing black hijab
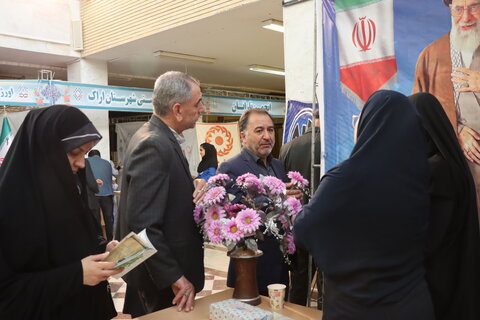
(50,256)
(452,255)
(366,225)
(208,166)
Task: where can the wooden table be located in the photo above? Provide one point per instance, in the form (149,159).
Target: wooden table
(201,310)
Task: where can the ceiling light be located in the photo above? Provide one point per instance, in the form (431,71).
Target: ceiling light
(266,69)
(273,24)
(183,56)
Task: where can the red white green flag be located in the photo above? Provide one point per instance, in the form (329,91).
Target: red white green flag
(6,138)
(366,47)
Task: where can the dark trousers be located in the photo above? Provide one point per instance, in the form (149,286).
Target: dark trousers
(299,281)
(148,299)
(106,204)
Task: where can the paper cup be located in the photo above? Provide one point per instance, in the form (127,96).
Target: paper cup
(276,292)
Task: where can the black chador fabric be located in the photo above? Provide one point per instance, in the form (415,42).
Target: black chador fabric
(366,225)
(209,160)
(45,225)
(452,264)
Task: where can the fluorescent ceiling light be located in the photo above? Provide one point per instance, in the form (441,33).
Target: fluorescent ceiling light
(266,69)
(183,56)
(273,24)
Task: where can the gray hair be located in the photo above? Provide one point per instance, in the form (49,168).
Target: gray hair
(170,88)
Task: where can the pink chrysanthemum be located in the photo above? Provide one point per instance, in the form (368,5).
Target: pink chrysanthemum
(248,220)
(241,179)
(293,205)
(197,214)
(215,231)
(253,184)
(219,180)
(231,230)
(233,209)
(214,213)
(214,195)
(297,179)
(289,243)
(274,185)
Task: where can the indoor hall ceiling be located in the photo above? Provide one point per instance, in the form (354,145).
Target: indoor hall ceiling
(234,38)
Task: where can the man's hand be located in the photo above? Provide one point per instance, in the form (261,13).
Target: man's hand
(99,182)
(468,78)
(468,140)
(200,189)
(95,270)
(184,292)
(293,192)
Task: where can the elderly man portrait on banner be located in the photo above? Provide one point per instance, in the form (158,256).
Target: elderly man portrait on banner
(157,196)
(449,68)
(257,133)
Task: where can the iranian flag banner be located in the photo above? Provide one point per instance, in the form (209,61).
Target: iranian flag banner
(366,47)
(6,138)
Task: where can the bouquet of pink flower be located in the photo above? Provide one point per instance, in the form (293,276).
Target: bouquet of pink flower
(264,209)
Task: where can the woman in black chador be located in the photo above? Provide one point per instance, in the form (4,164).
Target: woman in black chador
(366,225)
(50,254)
(452,262)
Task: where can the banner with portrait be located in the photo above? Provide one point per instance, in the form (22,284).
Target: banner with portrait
(224,136)
(369,45)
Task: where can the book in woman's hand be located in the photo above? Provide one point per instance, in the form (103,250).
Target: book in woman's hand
(131,251)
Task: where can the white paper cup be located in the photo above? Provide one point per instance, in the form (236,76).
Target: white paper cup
(276,292)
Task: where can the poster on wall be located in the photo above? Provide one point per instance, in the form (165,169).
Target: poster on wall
(298,118)
(224,136)
(370,45)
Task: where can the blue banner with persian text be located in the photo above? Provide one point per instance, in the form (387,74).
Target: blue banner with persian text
(44,93)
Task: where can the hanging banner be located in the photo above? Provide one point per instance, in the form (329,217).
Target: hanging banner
(216,105)
(366,46)
(42,93)
(224,136)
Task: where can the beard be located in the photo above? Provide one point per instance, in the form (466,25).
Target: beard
(467,40)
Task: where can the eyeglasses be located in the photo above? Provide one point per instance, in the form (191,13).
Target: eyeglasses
(458,11)
(355,118)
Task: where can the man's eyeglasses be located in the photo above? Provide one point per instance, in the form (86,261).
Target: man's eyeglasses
(355,118)
(458,11)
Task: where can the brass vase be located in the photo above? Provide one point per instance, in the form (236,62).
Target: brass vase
(246,289)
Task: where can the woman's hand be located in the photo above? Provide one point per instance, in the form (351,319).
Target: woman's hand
(468,78)
(95,270)
(111,245)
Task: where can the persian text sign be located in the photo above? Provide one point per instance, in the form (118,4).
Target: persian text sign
(89,96)
(44,93)
(236,106)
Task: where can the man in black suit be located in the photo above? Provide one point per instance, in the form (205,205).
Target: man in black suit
(296,156)
(156,194)
(257,133)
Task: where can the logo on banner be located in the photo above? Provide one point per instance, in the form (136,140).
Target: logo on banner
(364,34)
(221,138)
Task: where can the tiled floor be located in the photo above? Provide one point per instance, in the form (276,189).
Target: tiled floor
(216,265)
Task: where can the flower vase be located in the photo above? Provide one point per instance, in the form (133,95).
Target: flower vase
(246,289)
